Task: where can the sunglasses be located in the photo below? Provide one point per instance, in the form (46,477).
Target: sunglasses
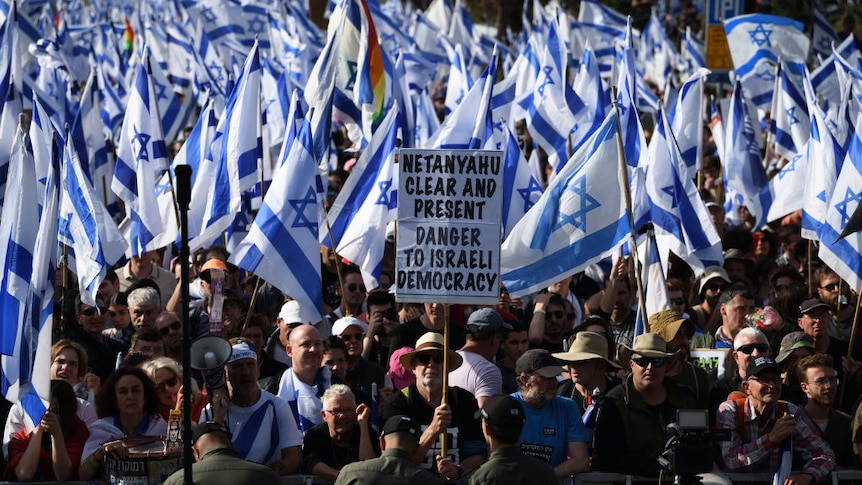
(89,312)
(168,383)
(830,287)
(678,301)
(715,287)
(425,358)
(556,315)
(644,362)
(747,349)
(354,287)
(173,326)
(347,337)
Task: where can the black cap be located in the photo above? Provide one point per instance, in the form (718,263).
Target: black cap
(538,361)
(401,424)
(812,304)
(759,366)
(208,427)
(502,411)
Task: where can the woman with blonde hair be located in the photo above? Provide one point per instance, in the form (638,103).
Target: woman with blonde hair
(168,379)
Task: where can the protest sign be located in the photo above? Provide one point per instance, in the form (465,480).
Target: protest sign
(449,226)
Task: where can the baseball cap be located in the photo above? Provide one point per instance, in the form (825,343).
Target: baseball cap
(401,424)
(538,361)
(791,342)
(292,313)
(503,411)
(342,323)
(812,304)
(759,366)
(485,321)
(201,429)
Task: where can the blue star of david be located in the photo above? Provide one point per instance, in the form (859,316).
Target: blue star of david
(299,206)
(388,38)
(669,190)
(842,207)
(88,37)
(547,70)
(351,70)
(760,36)
(525,193)
(392,201)
(791,116)
(789,168)
(256,25)
(208,15)
(587,204)
(215,68)
(141,139)
(160,91)
(825,44)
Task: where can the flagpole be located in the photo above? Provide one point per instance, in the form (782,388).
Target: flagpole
(253,300)
(623,174)
(850,346)
(444,398)
(810,272)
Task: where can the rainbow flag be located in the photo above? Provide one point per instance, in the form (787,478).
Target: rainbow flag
(373,91)
(128,35)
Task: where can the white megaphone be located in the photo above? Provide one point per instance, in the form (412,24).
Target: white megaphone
(208,354)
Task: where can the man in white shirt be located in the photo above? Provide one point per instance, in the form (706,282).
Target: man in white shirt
(478,374)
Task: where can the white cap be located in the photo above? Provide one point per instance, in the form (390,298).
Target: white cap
(291,312)
(341,325)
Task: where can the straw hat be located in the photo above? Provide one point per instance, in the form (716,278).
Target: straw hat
(430,342)
(587,346)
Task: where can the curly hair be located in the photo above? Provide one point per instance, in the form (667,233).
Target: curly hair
(106,401)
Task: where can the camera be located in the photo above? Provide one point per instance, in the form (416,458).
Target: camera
(689,449)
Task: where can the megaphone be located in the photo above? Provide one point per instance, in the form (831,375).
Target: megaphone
(209,352)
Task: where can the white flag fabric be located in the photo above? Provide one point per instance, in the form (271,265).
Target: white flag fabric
(579,220)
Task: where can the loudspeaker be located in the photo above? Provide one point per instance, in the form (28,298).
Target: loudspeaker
(209,352)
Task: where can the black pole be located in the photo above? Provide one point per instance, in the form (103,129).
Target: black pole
(184,195)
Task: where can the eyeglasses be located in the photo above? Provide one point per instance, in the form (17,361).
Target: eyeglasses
(714,287)
(677,301)
(826,380)
(340,412)
(646,361)
(555,314)
(352,287)
(173,326)
(168,383)
(748,349)
(830,287)
(89,312)
(768,381)
(425,358)
(347,337)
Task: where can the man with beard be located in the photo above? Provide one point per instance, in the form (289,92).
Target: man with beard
(553,430)
(615,303)
(171,329)
(836,293)
(761,426)
(632,417)
(820,384)
(734,306)
(423,402)
(549,323)
(382,321)
(814,321)
(712,282)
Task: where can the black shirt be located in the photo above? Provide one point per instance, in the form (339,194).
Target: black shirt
(317,446)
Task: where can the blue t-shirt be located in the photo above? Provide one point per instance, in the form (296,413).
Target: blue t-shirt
(548,431)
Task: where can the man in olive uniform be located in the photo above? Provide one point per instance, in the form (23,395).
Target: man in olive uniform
(399,440)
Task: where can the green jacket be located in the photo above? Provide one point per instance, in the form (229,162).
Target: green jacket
(394,467)
(511,466)
(222,465)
